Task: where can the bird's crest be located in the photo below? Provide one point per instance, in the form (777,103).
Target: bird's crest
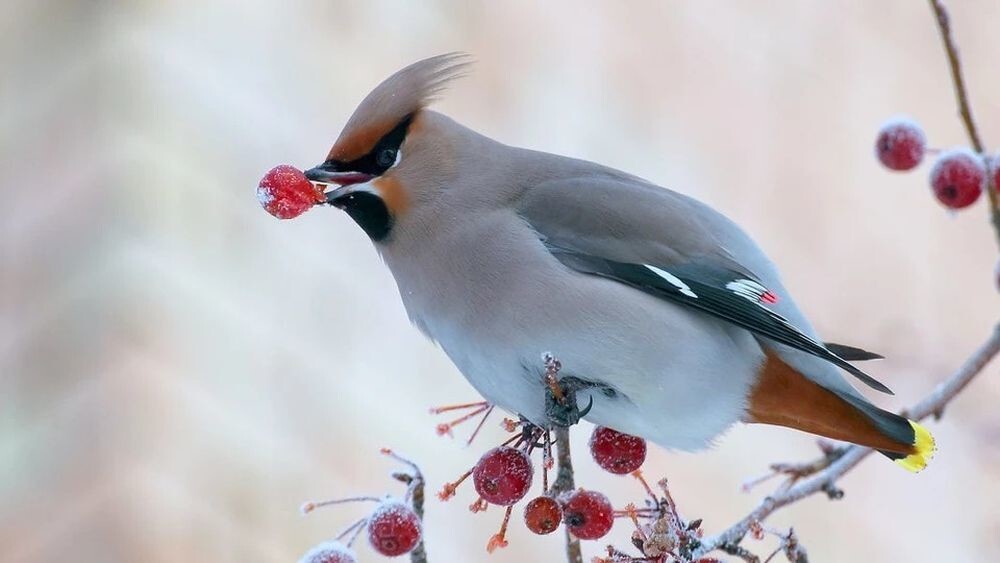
(402,94)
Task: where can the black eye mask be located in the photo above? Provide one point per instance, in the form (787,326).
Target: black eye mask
(383,155)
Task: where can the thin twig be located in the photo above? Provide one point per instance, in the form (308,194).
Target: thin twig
(415,484)
(964,108)
(933,403)
(419,553)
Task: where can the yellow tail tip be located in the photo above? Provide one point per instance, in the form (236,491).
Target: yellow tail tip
(923,449)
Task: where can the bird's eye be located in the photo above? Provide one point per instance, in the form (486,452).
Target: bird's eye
(386,157)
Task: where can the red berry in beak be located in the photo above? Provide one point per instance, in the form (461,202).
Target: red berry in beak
(900,144)
(957,178)
(286,193)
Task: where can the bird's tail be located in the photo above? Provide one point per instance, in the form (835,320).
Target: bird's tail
(784,397)
(916,444)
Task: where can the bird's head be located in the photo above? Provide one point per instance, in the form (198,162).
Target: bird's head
(388,153)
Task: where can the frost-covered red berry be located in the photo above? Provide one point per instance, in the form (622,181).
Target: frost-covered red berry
(588,514)
(900,144)
(286,193)
(957,178)
(329,552)
(543,515)
(617,452)
(503,475)
(393,528)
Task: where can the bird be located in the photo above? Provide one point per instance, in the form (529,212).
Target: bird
(668,321)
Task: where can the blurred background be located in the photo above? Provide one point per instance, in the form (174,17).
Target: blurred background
(179,371)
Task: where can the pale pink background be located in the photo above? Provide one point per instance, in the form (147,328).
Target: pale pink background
(178,371)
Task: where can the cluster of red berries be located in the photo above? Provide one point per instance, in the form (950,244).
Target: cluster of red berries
(393,530)
(393,527)
(286,193)
(503,476)
(958,177)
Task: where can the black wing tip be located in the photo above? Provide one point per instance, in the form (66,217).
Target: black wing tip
(845,353)
(867,379)
(881,387)
(851,353)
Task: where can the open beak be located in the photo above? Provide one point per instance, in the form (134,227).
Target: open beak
(327,173)
(346,182)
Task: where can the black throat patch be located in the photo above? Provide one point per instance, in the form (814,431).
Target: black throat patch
(368,211)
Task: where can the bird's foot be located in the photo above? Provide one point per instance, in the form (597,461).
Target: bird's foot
(561,407)
(566,412)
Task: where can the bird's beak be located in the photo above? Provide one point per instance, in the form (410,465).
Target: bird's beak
(346,182)
(328,173)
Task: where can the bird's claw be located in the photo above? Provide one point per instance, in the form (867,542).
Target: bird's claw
(566,413)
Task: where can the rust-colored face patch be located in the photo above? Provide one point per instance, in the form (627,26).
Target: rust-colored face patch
(360,141)
(785,397)
(397,201)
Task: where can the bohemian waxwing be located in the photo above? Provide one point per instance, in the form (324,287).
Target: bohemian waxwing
(667,318)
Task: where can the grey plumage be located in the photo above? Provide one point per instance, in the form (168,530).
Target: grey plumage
(501,254)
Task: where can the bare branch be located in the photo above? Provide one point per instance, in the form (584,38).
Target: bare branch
(964,109)
(419,553)
(415,485)
(564,482)
(824,480)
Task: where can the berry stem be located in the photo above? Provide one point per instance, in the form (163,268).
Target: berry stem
(446,408)
(671,505)
(446,427)
(356,528)
(645,485)
(964,107)
(313,505)
(500,539)
(546,460)
(482,422)
(449,488)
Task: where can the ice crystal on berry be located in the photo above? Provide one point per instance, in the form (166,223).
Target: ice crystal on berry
(393,528)
(503,475)
(588,514)
(543,515)
(286,193)
(617,452)
(958,177)
(329,552)
(900,144)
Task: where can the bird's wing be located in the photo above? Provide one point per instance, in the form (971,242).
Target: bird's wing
(669,246)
